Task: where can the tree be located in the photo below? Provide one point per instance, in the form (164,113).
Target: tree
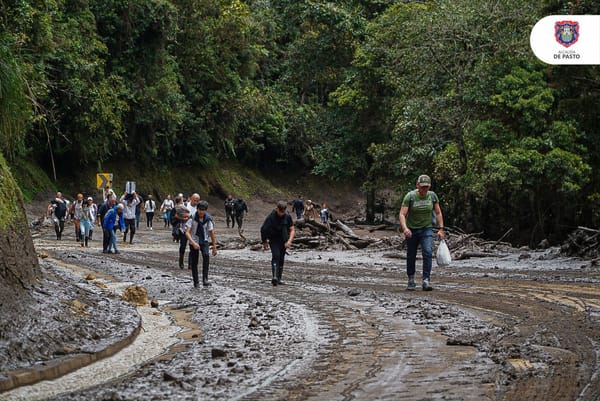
(18,260)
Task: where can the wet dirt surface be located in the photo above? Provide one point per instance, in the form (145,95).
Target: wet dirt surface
(521,327)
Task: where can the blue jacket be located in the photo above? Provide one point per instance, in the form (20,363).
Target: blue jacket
(111,219)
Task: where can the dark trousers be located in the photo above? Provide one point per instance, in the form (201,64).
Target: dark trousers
(129,228)
(193,261)
(277,258)
(230,217)
(182,245)
(59,227)
(149,218)
(239,218)
(423,237)
(105,239)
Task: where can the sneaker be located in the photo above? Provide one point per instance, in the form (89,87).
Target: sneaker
(150,228)
(411,284)
(426,285)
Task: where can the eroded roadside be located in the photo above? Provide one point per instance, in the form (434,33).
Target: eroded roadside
(344,328)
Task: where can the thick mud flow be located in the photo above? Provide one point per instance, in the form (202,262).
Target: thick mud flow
(525,326)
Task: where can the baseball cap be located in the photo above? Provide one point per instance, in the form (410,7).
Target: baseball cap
(424,181)
(90,198)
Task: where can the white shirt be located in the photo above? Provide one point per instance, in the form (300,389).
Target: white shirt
(129,209)
(150,206)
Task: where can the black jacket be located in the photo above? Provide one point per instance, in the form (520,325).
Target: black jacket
(276,228)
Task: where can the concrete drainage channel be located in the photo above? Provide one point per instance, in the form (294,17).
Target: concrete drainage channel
(155,335)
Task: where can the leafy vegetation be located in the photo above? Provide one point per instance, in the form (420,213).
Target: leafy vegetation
(373,91)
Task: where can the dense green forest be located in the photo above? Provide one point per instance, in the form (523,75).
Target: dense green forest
(377,91)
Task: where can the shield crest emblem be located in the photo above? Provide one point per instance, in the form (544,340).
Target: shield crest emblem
(566,32)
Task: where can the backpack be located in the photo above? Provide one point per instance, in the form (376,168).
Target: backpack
(61,210)
(434,199)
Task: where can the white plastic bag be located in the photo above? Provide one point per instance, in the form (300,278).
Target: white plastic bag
(442,256)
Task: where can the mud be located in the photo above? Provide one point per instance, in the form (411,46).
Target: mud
(524,326)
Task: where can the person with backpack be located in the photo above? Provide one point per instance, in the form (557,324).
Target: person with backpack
(149,208)
(57,210)
(277,232)
(199,231)
(417,226)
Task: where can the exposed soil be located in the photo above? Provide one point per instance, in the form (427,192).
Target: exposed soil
(524,326)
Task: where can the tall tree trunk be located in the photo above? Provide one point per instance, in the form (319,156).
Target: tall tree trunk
(19,266)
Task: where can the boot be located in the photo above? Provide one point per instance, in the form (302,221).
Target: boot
(86,241)
(181,261)
(279,274)
(205,282)
(274,280)
(78,235)
(411,283)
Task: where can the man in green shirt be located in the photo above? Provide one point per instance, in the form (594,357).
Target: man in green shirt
(417,226)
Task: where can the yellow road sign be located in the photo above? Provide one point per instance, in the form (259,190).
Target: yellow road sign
(103,180)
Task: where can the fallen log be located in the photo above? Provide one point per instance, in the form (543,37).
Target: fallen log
(347,230)
(379,227)
(321,227)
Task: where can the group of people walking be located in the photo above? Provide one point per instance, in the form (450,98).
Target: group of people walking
(235,210)
(193,226)
(310,210)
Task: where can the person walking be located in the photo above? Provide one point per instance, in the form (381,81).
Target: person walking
(230,210)
(310,213)
(325,214)
(240,211)
(113,221)
(102,211)
(93,211)
(129,201)
(417,226)
(199,230)
(149,208)
(138,211)
(76,212)
(165,209)
(57,211)
(277,232)
(298,207)
(86,222)
(180,225)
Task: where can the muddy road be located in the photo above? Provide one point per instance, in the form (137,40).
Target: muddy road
(525,326)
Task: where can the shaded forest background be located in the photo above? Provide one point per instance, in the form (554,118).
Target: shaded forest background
(373,91)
